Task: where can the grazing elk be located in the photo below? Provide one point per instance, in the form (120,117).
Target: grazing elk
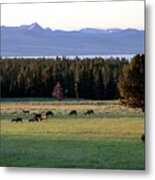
(49,113)
(89,112)
(37,116)
(13,120)
(73,112)
(17,120)
(34,120)
(26,111)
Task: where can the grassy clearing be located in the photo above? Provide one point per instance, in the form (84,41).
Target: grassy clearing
(77,129)
(61,109)
(104,140)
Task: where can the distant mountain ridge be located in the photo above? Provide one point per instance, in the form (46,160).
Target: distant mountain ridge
(33,40)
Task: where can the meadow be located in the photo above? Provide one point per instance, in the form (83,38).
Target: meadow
(108,139)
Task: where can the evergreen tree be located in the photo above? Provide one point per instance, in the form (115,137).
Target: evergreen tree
(132,82)
(77,78)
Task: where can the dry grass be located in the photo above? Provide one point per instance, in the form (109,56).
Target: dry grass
(99,107)
(79,129)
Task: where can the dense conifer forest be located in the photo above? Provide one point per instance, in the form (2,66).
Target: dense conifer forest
(94,78)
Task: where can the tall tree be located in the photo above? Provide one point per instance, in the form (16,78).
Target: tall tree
(132,82)
(77,78)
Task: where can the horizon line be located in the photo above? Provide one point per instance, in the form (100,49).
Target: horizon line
(71,29)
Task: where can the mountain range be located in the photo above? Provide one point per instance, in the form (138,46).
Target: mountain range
(33,40)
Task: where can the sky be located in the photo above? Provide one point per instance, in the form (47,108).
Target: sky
(74,16)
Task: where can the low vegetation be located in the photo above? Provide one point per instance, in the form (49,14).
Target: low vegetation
(110,138)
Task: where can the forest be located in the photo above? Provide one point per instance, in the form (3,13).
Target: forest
(94,78)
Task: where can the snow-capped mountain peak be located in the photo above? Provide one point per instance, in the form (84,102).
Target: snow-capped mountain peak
(34,26)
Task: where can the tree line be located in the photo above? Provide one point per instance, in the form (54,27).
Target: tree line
(94,78)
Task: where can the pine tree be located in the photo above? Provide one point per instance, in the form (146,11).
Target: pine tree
(77,78)
(132,82)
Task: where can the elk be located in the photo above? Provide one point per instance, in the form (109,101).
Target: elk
(17,120)
(73,112)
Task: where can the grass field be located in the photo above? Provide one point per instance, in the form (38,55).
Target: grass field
(109,139)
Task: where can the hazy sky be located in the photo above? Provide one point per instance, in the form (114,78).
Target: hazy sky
(119,14)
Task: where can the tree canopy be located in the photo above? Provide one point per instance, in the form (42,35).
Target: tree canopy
(89,78)
(132,82)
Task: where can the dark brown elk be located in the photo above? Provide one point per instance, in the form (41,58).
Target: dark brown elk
(49,113)
(17,120)
(89,112)
(26,111)
(73,112)
(37,116)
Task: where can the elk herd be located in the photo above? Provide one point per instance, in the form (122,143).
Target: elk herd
(44,116)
